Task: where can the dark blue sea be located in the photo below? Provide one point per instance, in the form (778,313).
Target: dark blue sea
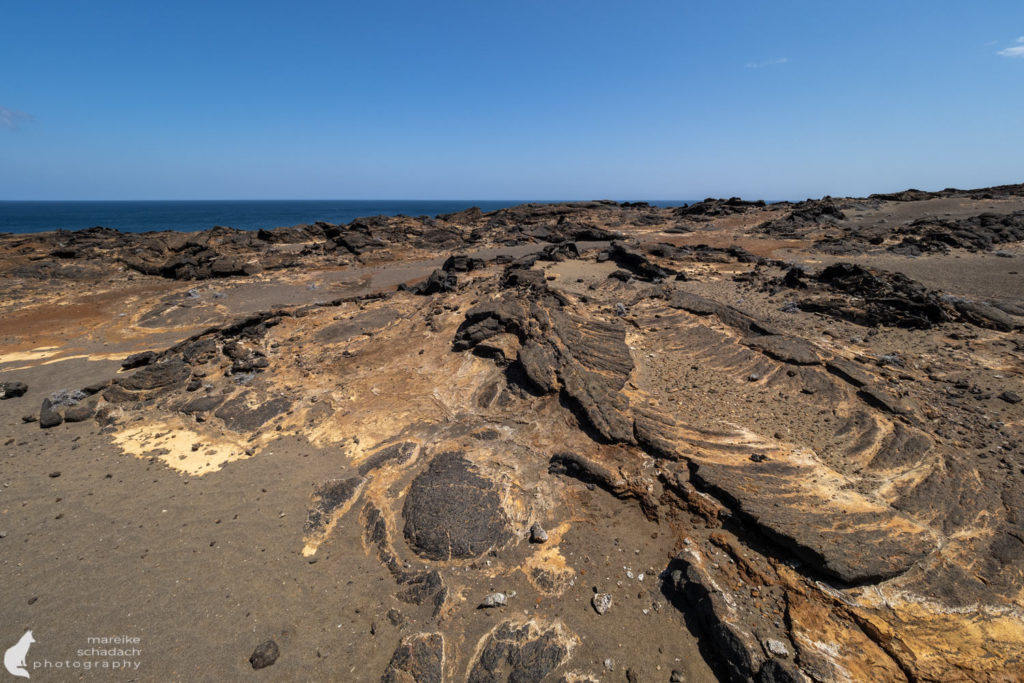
(189,216)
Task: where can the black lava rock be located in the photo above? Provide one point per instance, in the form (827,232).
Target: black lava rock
(137,360)
(48,415)
(452,512)
(265,654)
(12,389)
(438,282)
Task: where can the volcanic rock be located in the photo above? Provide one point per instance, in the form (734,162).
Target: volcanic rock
(452,512)
(419,658)
(49,416)
(12,389)
(521,652)
(265,654)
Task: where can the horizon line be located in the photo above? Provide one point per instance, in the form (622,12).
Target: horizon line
(302,199)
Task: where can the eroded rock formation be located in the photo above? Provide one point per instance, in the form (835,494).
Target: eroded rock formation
(825,458)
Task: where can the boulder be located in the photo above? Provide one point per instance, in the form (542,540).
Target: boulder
(49,416)
(12,389)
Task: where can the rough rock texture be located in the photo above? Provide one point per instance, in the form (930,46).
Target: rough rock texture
(808,213)
(453,513)
(974,233)
(418,586)
(711,207)
(881,298)
(328,498)
(418,658)
(873,297)
(521,652)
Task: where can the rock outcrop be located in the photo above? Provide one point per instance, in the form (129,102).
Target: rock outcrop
(594,422)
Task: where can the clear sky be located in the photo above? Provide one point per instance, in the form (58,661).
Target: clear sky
(507,100)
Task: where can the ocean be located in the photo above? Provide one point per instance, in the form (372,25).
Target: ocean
(193,215)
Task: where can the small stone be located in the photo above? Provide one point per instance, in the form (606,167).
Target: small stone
(677,677)
(1010,397)
(537,533)
(776,647)
(609,664)
(495,600)
(753,377)
(395,617)
(54,474)
(602,602)
(265,654)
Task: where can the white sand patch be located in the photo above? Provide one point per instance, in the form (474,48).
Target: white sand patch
(173,444)
(88,357)
(34,354)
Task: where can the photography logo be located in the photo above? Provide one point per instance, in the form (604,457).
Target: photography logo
(14,657)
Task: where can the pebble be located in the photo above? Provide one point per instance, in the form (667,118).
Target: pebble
(776,647)
(677,677)
(497,599)
(265,654)
(609,664)
(537,534)
(602,602)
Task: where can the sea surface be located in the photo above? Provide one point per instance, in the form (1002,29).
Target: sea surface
(193,215)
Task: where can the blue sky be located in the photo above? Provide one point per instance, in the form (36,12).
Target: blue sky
(512,100)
